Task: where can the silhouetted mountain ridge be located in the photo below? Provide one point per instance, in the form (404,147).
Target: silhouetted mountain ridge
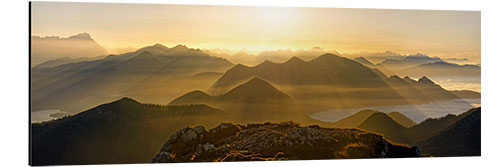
(463,138)
(390,129)
(123,131)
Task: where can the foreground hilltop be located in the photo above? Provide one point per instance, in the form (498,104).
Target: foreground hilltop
(276,141)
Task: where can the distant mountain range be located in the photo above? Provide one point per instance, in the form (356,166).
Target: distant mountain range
(53,47)
(409,61)
(440,69)
(421,65)
(147,74)
(331,81)
(279,56)
(377,57)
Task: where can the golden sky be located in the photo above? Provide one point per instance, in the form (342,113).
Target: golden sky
(440,33)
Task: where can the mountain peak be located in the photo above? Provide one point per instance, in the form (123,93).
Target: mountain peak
(255,89)
(295,59)
(111,57)
(126,100)
(81,36)
(395,77)
(183,50)
(159,45)
(327,55)
(401,119)
(407,78)
(420,56)
(193,97)
(266,63)
(197,93)
(239,67)
(424,79)
(257,81)
(180,47)
(316,48)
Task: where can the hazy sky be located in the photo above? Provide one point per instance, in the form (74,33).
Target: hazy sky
(439,33)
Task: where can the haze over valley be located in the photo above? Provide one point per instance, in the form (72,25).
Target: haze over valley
(310,88)
(159,84)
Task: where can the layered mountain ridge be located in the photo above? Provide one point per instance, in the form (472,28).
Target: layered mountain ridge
(53,47)
(145,74)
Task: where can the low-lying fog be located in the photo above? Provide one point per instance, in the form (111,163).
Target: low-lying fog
(417,113)
(459,83)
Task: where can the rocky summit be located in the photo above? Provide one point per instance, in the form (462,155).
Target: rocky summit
(276,141)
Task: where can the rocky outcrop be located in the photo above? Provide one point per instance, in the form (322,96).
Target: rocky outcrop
(276,141)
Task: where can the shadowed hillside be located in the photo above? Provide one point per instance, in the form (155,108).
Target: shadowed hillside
(402,119)
(124,131)
(463,138)
(382,124)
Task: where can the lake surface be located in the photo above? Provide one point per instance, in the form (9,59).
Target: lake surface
(417,113)
(44,115)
